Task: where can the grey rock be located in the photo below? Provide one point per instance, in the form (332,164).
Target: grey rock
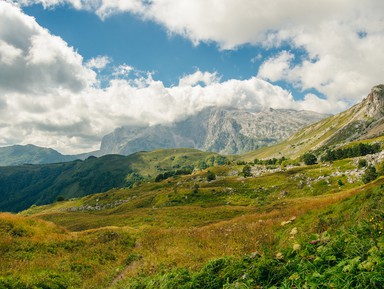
(226,131)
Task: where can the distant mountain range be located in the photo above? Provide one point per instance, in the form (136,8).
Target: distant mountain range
(30,154)
(231,131)
(226,131)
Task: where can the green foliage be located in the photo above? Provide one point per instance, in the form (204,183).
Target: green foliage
(358,150)
(350,258)
(309,159)
(273,161)
(247,171)
(60,199)
(362,163)
(211,176)
(370,174)
(23,186)
(166,175)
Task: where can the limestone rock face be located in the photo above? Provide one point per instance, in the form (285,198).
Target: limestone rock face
(222,130)
(374,102)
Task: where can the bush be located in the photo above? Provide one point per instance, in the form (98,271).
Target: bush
(309,159)
(247,171)
(370,174)
(211,176)
(362,163)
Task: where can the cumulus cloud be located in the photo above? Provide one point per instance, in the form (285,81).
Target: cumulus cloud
(33,60)
(277,67)
(342,39)
(48,94)
(50,98)
(199,78)
(98,62)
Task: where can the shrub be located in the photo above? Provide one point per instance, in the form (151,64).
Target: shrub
(247,171)
(370,174)
(362,163)
(211,176)
(309,159)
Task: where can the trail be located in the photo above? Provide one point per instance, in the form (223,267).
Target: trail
(121,276)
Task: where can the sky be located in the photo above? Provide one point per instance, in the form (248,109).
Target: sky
(71,71)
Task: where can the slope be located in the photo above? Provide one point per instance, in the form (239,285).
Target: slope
(26,185)
(362,121)
(184,222)
(222,130)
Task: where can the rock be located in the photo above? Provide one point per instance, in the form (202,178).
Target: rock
(226,131)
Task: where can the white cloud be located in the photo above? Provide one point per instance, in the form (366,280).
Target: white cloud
(50,99)
(40,62)
(122,70)
(199,78)
(312,102)
(277,67)
(343,39)
(8,53)
(48,96)
(98,62)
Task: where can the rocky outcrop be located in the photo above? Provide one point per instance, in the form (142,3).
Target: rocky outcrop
(226,131)
(373,104)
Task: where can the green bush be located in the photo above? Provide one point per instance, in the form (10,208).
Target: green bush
(370,174)
(309,159)
(211,176)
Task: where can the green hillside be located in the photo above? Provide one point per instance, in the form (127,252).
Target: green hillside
(317,226)
(362,121)
(26,185)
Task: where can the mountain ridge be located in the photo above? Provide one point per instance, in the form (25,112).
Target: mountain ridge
(364,120)
(222,130)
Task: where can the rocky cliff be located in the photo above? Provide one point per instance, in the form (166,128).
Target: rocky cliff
(226,131)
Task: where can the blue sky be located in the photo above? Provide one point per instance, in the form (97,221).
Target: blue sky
(72,71)
(145,45)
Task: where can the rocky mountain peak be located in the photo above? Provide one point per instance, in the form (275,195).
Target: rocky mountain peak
(223,130)
(374,102)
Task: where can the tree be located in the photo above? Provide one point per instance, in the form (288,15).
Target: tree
(211,176)
(370,174)
(362,163)
(247,171)
(309,159)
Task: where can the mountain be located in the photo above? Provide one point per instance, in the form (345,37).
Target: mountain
(364,120)
(226,131)
(30,154)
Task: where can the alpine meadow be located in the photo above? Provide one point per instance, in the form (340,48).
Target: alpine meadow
(191,144)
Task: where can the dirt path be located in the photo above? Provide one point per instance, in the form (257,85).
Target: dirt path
(121,276)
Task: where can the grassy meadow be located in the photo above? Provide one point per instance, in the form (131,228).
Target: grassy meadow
(317,226)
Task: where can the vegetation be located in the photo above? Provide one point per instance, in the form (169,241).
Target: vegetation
(187,219)
(211,176)
(247,171)
(370,174)
(309,159)
(358,150)
(26,185)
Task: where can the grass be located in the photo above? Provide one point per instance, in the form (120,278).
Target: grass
(322,254)
(185,230)
(39,254)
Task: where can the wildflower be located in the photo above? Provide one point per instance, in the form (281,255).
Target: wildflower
(279,256)
(296,247)
(293,232)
